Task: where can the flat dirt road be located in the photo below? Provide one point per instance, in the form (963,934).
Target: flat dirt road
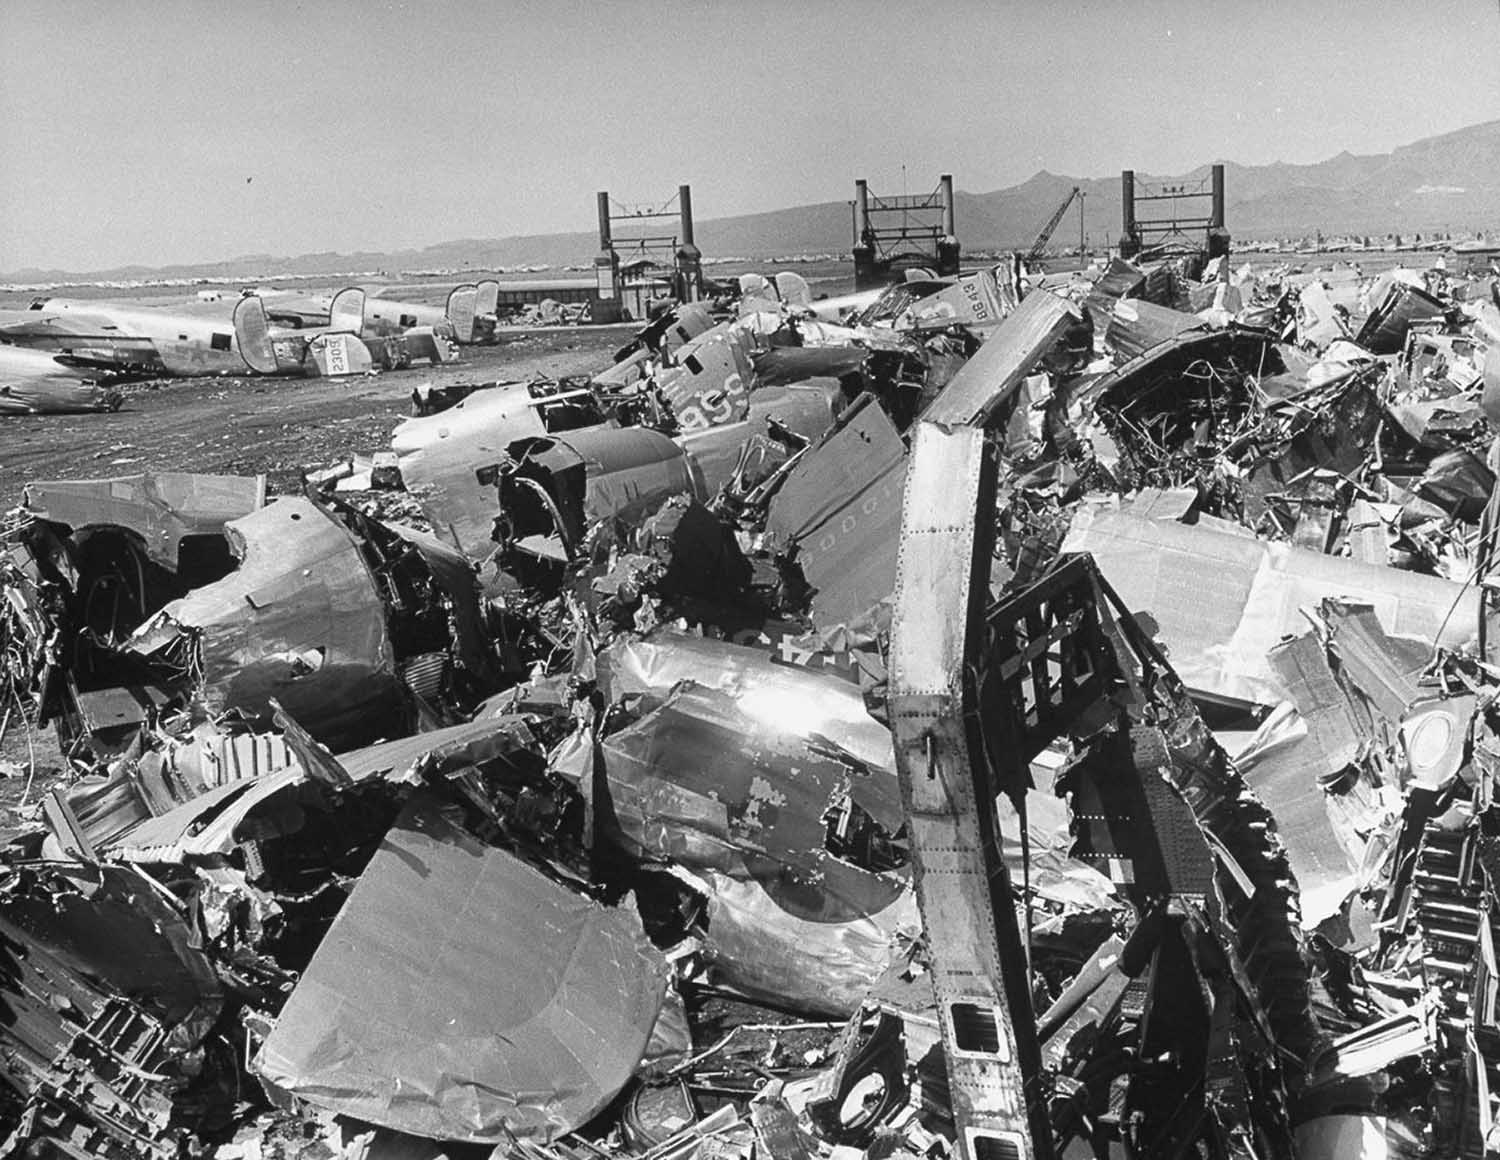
(275,426)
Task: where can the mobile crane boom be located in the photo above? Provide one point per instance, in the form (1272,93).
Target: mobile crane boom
(1046,235)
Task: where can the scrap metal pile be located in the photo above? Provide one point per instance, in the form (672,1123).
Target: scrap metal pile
(1001,717)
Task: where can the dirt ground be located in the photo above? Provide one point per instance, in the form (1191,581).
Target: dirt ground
(239,426)
(279,426)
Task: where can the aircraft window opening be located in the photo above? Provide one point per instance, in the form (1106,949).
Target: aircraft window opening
(995,1148)
(218,342)
(976,1028)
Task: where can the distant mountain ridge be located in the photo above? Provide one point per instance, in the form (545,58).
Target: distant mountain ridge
(1450,182)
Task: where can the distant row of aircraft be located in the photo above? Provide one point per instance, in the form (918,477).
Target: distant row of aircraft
(56,346)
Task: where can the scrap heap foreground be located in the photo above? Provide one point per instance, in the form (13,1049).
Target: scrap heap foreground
(1000,716)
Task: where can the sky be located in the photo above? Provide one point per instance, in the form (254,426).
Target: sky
(181,131)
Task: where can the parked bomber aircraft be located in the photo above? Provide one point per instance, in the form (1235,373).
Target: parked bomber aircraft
(138,339)
(146,340)
(149,340)
(470,310)
(342,347)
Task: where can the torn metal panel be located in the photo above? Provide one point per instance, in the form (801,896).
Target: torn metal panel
(747,798)
(807,409)
(161,509)
(1120,280)
(1136,326)
(1367,534)
(1440,424)
(766,946)
(1334,735)
(441,752)
(668,332)
(630,470)
(552,490)
(439,454)
(217,820)
(793,364)
(461,995)
(116,927)
(1374,1047)
(768,689)
(136,790)
(106,1001)
(704,781)
(840,508)
(300,620)
(1223,600)
(1331,434)
(1403,304)
(1383,668)
(1344,1137)
(206,826)
(1325,813)
(1459,483)
(870,308)
(988,380)
(1319,322)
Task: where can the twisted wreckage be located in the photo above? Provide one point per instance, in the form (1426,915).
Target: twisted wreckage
(1011,718)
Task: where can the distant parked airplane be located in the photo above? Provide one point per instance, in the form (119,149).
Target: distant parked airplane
(141,339)
(146,340)
(470,310)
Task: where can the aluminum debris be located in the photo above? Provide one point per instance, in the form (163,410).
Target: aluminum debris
(1000,715)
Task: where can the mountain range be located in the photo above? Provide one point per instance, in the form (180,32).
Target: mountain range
(1445,183)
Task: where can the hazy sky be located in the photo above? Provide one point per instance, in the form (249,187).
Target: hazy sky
(166,131)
